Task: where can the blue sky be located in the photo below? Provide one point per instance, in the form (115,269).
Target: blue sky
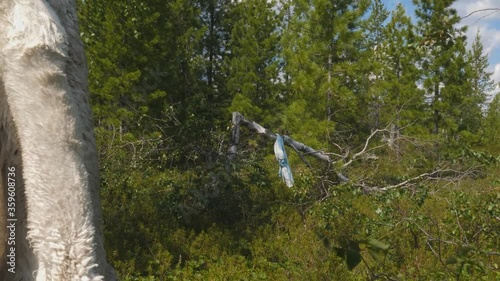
(488,24)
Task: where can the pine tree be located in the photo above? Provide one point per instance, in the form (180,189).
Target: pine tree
(321,51)
(213,13)
(252,65)
(444,63)
(480,83)
(147,74)
(373,42)
(164,75)
(217,28)
(492,122)
(403,101)
(375,38)
(374,26)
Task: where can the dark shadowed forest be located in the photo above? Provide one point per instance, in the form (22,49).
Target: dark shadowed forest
(399,105)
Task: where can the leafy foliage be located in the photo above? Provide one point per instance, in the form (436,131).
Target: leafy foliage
(399,106)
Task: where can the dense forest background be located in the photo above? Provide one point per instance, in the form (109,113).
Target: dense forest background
(402,107)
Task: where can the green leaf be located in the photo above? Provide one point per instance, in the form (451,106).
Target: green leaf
(353,256)
(464,250)
(377,244)
(452,260)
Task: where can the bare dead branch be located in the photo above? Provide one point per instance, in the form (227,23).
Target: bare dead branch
(238,120)
(481,10)
(440,174)
(450,175)
(302,157)
(364,150)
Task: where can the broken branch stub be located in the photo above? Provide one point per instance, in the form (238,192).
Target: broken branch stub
(239,120)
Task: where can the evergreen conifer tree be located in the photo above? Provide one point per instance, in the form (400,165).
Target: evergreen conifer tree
(444,63)
(480,84)
(403,101)
(252,65)
(321,48)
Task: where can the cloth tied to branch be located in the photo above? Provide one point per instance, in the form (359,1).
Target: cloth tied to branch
(284,167)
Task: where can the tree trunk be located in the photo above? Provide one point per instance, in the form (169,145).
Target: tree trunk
(436,111)
(329,91)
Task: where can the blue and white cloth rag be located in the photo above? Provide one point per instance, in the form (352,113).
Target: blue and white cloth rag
(284,167)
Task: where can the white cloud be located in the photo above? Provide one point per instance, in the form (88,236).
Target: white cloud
(488,24)
(496,77)
(490,36)
(495,69)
